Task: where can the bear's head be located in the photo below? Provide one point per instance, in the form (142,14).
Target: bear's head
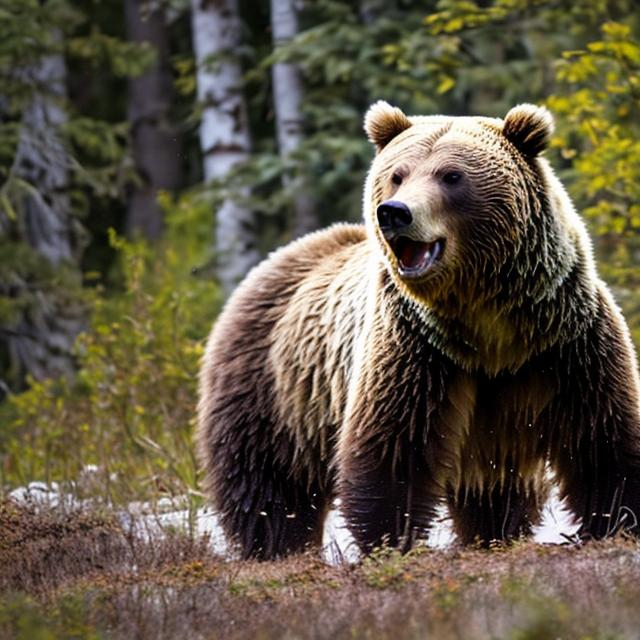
(464,209)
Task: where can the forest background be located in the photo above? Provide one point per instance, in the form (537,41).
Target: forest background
(152,151)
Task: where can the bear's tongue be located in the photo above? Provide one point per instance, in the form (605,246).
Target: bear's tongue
(413,255)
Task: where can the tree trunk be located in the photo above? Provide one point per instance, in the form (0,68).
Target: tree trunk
(40,343)
(224,130)
(287,98)
(156,145)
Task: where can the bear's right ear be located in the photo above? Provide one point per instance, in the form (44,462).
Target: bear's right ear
(383,123)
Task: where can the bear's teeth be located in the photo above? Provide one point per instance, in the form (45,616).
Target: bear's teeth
(434,254)
(415,257)
(412,254)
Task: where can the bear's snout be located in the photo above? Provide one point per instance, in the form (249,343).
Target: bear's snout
(393,216)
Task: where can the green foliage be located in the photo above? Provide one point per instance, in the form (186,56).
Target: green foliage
(32,31)
(42,132)
(24,618)
(598,109)
(541,617)
(130,409)
(600,115)
(125,59)
(387,568)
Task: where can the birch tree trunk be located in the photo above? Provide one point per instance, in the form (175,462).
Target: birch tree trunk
(287,98)
(156,144)
(40,343)
(224,131)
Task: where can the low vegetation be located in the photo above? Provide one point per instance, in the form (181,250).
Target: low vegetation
(121,428)
(81,574)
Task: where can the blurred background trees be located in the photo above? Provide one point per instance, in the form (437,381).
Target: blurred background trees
(151,151)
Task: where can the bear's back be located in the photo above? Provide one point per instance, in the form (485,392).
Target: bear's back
(284,338)
(312,342)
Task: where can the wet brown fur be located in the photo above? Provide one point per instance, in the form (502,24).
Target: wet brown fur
(329,375)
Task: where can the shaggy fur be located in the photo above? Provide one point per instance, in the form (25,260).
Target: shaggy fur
(329,374)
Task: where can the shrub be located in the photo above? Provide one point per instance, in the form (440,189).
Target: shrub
(129,412)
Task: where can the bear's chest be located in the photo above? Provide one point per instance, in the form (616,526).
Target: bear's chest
(495,427)
(482,339)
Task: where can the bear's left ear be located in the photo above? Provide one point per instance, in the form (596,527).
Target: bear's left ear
(529,128)
(383,123)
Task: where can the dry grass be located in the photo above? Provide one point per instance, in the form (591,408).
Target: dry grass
(80,575)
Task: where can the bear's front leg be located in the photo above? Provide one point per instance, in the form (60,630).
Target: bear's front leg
(386,474)
(505,511)
(595,443)
(386,492)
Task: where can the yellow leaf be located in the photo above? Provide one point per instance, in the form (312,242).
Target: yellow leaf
(5,202)
(446,84)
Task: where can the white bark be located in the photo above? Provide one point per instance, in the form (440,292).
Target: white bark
(224,130)
(287,98)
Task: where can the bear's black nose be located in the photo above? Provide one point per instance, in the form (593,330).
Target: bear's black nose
(393,215)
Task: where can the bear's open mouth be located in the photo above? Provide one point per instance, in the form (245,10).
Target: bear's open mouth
(416,258)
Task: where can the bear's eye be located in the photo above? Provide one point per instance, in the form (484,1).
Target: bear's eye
(452,177)
(396,178)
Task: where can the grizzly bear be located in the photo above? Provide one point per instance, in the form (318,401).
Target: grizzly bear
(450,349)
